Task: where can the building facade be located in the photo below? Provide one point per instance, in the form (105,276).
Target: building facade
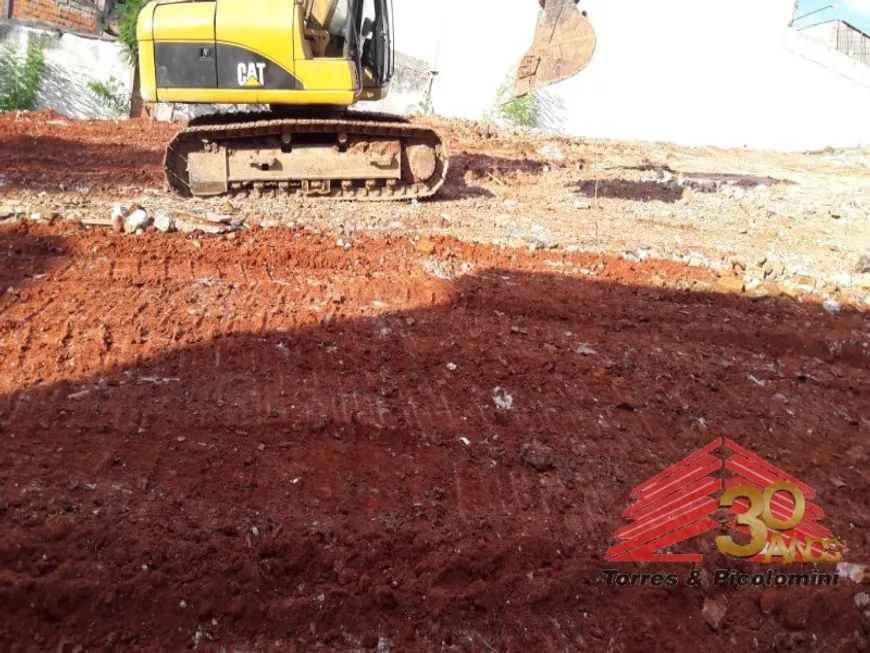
(842,37)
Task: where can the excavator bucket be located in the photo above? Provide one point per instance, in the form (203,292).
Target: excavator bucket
(563,46)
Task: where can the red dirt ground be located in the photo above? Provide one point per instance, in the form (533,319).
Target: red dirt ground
(46,150)
(256,444)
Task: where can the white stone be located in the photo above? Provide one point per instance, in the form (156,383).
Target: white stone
(138,219)
(163,221)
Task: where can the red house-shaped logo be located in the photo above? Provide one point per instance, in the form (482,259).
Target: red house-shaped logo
(770,507)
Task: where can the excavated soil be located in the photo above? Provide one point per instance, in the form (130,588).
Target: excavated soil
(265,441)
(270,443)
(802,220)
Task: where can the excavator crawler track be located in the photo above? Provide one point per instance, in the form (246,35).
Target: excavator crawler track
(355,156)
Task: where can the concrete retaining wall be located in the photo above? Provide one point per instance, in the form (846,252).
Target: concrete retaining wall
(71,61)
(408,89)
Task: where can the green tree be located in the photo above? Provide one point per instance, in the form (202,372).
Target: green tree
(128,16)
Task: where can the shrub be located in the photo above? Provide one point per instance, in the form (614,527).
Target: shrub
(111,96)
(520,112)
(21,77)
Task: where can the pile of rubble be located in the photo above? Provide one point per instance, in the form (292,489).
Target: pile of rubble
(135,220)
(131,219)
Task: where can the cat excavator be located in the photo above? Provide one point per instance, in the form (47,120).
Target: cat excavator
(309,62)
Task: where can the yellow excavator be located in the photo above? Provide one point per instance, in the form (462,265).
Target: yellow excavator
(310,61)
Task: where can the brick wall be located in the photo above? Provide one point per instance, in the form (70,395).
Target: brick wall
(69,14)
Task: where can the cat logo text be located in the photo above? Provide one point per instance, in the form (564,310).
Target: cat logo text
(251,74)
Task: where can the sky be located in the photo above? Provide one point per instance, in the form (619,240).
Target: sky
(477,42)
(856,12)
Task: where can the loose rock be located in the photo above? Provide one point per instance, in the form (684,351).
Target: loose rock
(384,645)
(769,289)
(538,456)
(730,285)
(805,280)
(502,399)
(189,226)
(138,219)
(163,221)
(425,246)
(218,218)
(789,290)
(119,211)
(714,611)
(752,284)
(857,573)
(42,214)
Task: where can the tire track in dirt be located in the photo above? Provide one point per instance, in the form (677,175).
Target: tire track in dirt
(362,492)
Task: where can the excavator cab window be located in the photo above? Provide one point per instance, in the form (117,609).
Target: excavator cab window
(376,36)
(337,26)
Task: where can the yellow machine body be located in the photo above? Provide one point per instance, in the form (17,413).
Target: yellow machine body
(309,61)
(223,52)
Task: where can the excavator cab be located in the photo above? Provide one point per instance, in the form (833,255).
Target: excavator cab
(358,30)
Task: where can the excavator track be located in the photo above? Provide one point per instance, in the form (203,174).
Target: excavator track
(355,156)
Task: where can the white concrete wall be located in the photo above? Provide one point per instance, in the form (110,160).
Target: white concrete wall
(70,62)
(824,32)
(408,88)
(726,73)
